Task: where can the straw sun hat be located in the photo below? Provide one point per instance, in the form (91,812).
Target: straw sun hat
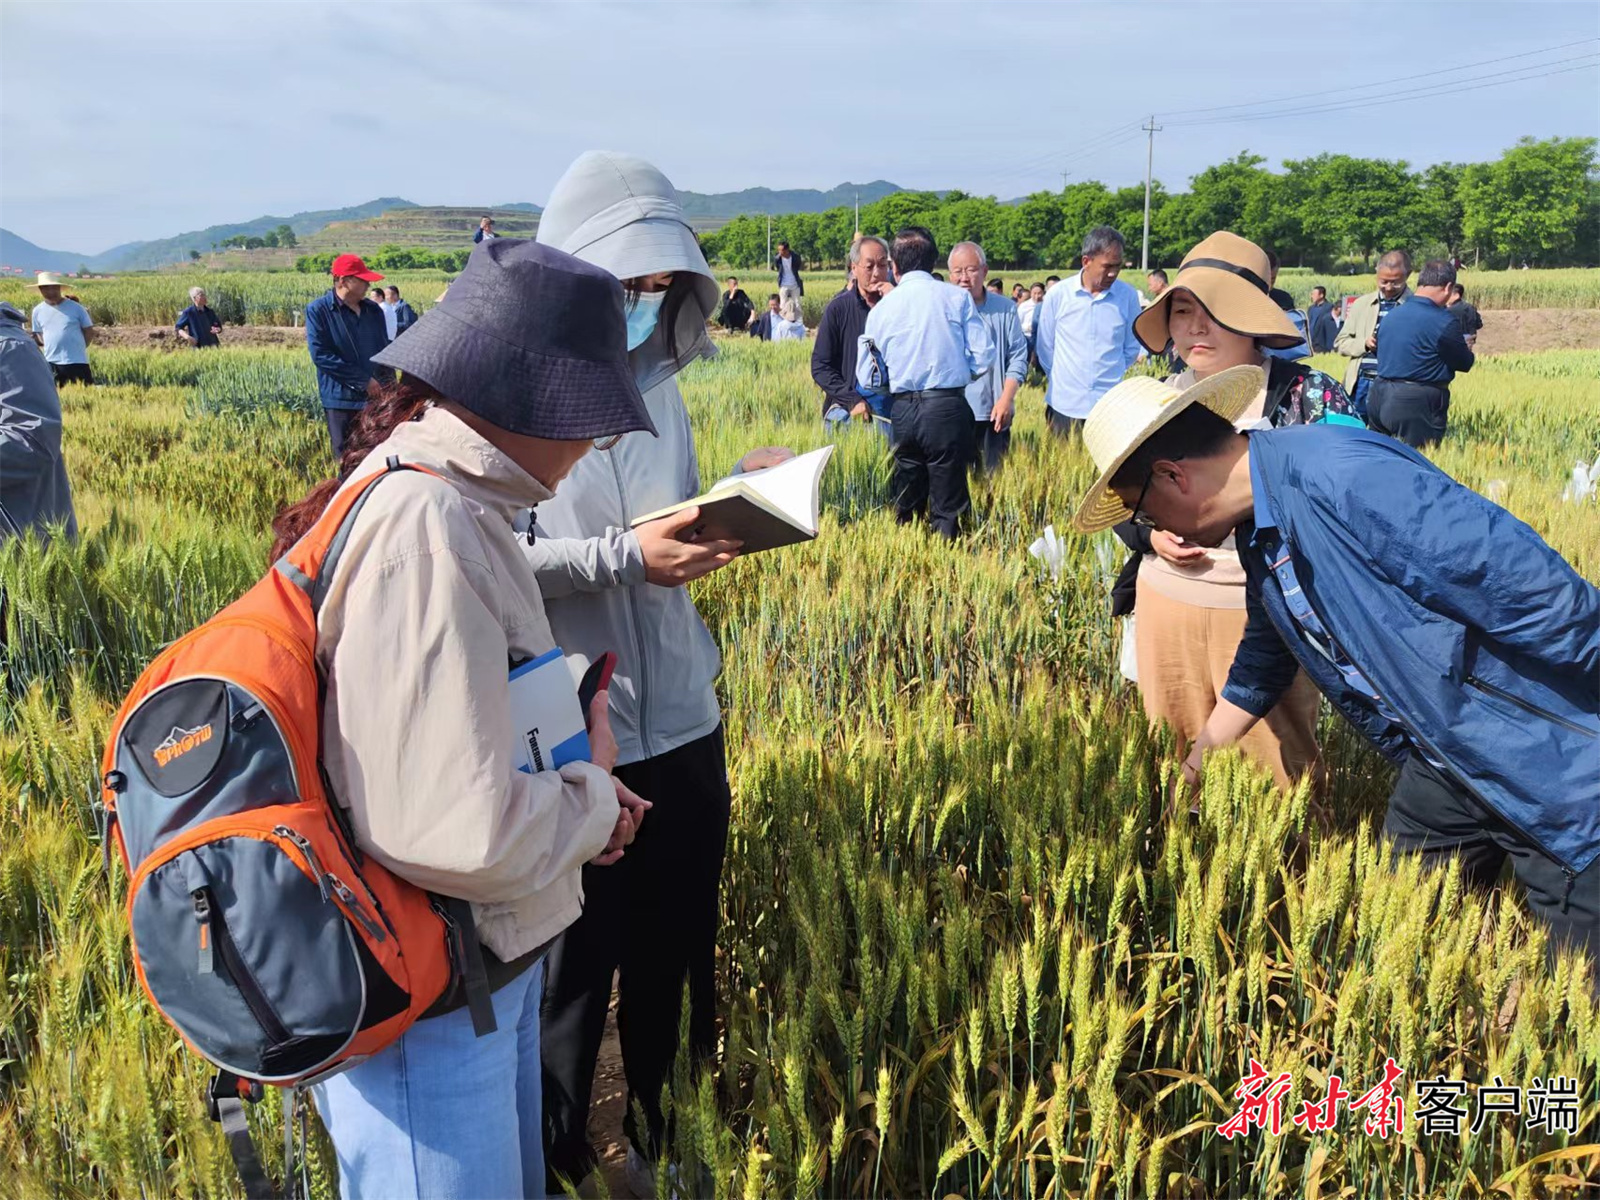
(49,279)
(1130,413)
(1229,275)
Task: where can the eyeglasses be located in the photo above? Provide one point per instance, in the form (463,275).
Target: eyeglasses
(605,443)
(1142,519)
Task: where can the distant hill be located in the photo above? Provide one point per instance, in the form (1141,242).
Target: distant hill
(21,254)
(795,200)
(423,228)
(140,256)
(364,227)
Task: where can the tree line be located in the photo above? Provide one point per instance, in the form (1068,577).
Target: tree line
(391,257)
(1538,203)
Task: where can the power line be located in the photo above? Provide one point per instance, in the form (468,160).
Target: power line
(1184,112)
(1090,145)
(1522,75)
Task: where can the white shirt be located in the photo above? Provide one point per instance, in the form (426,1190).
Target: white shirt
(388,316)
(1085,342)
(930,335)
(786,331)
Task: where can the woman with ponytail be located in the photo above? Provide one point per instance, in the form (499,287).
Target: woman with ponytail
(507,384)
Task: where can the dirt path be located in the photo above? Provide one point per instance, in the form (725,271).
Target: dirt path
(1511,330)
(605,1115)
(163,338)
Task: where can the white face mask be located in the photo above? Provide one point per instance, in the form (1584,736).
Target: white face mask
(642,317)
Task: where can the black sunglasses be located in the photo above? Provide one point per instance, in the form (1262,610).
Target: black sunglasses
(1141,519)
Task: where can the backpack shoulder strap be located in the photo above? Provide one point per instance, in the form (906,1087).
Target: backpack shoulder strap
(310,563)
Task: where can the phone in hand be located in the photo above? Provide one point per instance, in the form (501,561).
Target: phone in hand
(595,680)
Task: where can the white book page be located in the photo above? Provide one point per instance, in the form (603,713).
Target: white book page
(792,487)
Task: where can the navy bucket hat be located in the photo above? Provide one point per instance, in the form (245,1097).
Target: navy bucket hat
(532,340)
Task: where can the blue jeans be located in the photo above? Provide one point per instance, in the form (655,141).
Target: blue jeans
(444,1115)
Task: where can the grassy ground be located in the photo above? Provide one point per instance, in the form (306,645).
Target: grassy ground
(963,952)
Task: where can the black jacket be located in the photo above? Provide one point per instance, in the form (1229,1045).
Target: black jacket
(794,261)
(833,358)
(736,310)
(1322,327)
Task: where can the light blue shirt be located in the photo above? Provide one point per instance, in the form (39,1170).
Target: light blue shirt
(930,336)
(61,326)
(1085,342)
(788,331)
(1007,360)
(786,271)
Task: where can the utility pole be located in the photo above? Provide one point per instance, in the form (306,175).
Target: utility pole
(769,237)
(858,212)
(1064,175)
(1149,162)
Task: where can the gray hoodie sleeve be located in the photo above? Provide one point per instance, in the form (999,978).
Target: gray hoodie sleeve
(568,565)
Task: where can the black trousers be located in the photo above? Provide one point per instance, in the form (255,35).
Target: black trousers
(72,373)
(1434,814)
(653,916)
(933,441)
(1060,424)
(339,422)
(989,448)
(1414,413)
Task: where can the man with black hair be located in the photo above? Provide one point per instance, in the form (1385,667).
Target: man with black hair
(1421,351)
(1156,281)
(761,327)
(1358,336)
(1467,314)
(787,266)
(1320,317)
(923,344)
(1444,629)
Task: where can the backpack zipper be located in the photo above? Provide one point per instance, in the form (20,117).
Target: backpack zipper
(1526,706)
(330,884)
(212,923)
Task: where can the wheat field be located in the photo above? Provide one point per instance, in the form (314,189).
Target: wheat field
(964,952)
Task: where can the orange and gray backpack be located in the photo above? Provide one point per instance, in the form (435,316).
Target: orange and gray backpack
(270,942)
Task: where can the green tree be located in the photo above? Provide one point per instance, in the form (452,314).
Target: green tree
(1365,204)
(1441,211)
(285,236)
(194,256)
(1219,195)
(1528,204)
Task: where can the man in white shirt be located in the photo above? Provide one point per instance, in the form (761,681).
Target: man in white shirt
(931,343)
(1083,332)
(63,329)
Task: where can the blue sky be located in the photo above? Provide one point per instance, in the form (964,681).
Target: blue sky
(129,121)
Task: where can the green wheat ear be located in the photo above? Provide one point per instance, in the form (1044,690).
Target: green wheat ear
(961,951)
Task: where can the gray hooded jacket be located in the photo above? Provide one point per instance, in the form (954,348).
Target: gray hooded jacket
(622,214)
(33,478)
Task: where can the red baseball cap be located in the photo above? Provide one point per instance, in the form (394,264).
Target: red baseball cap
(351,264)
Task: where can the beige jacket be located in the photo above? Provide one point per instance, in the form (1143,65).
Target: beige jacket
(432,595)
(1359,323)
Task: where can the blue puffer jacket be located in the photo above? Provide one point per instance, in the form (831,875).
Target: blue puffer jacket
(1482,639)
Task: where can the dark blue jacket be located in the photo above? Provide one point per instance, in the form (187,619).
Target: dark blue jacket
(1482,639)
(342,345)
(1421,341)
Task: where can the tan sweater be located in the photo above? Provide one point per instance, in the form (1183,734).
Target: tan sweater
(1217,580)
(431,597)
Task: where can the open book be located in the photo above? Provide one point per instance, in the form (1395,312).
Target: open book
(776,506)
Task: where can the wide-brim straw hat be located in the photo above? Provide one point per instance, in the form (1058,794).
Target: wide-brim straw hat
(532,340)
(1130,413)
(1228,274)
(48,279)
